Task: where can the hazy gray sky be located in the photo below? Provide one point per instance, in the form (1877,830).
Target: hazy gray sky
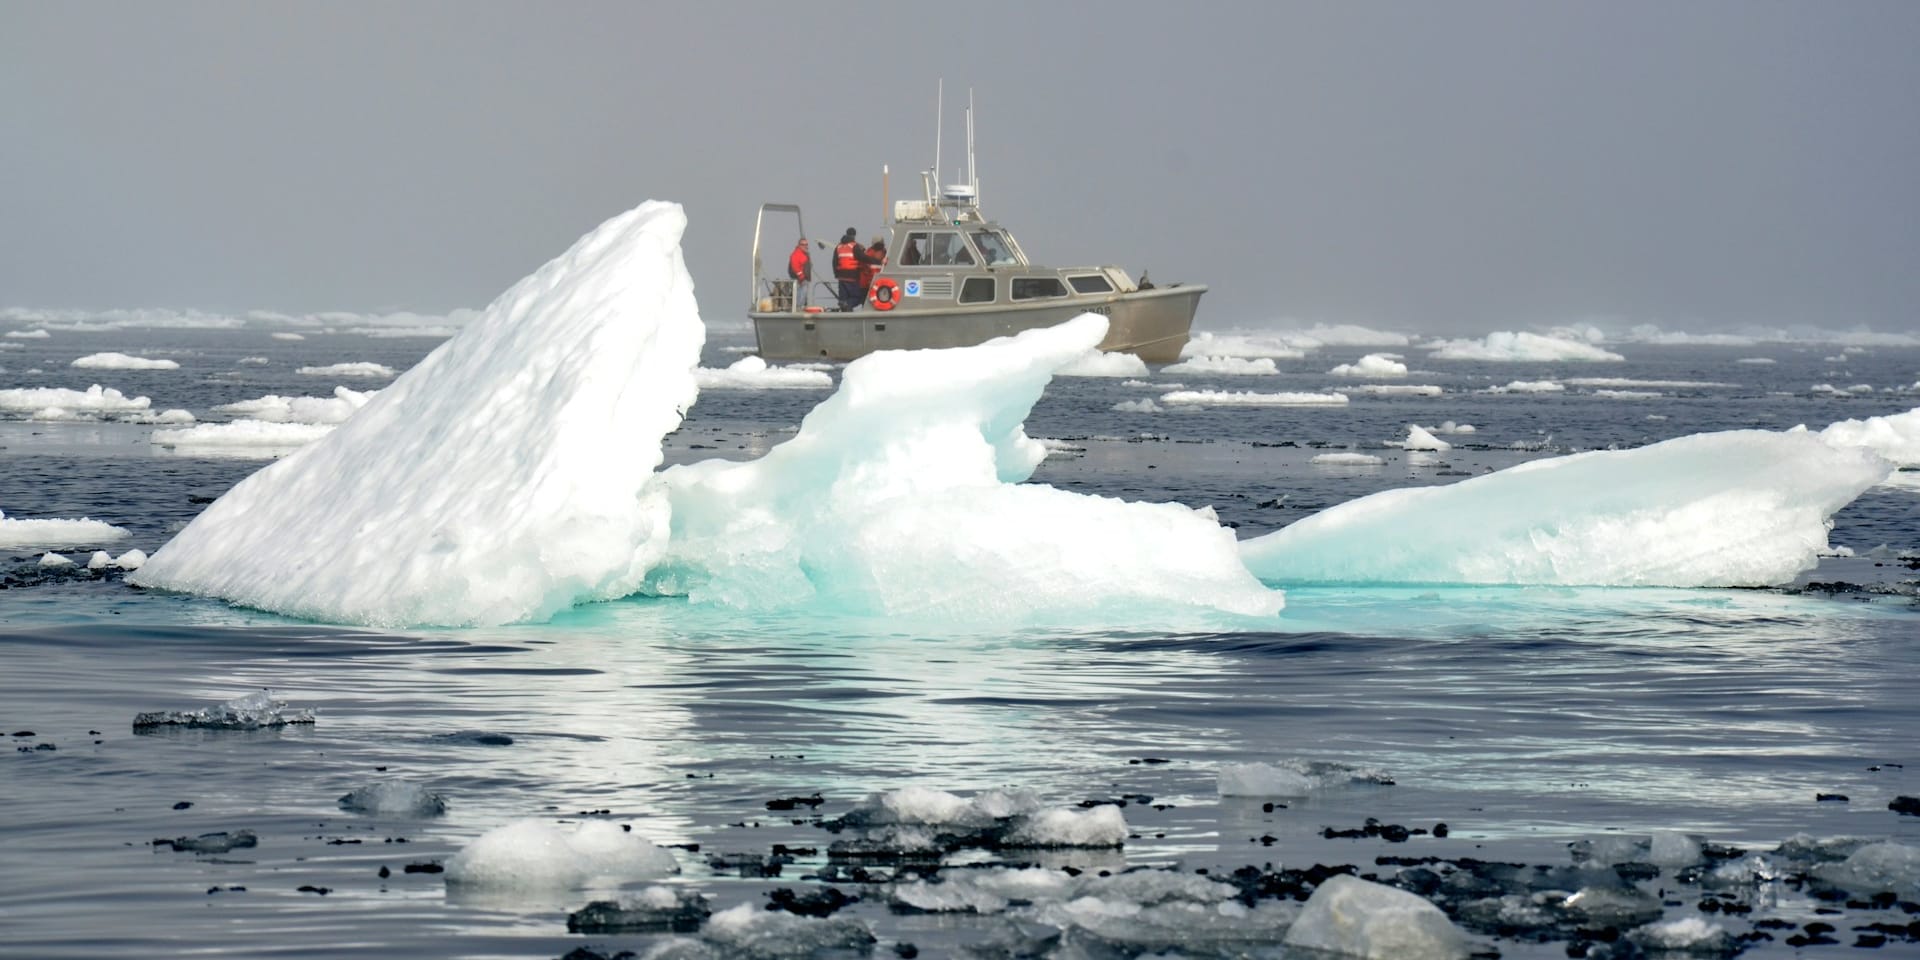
(1456,166)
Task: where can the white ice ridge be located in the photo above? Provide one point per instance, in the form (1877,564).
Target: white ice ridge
(1739,508)
(432,507)
(902,494)
(1507,346)
(121,361)
(17,533)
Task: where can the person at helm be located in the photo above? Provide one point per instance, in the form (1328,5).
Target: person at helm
(800,271)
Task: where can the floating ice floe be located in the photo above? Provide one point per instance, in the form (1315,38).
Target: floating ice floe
(1506,346)
(1292,777)
(363,368)
(130,560)
(536,854)
(427,507)
(1874,868)
(121,361)
(1144,405)
(924,821)
(1094,363)
(1628,394)
(28,334)
(753,373)
(1371,365)
(274,408)
(251,712)
(1346,460)
(1895,437)
(51,559)
(1739,508)
(1418,438)
(1629,383)
(1224,366)
(1688,936)
(1858,389)
(1528,386)
(249,437)
(394,798)
(654,909)
(1394,389)
(1244,345)
(1161,913)
(902,494)
(94,399)
(747,931)
(1757,361)
(16,533)
(1248,398)
(1351,917)
(286,335)
(1450,427)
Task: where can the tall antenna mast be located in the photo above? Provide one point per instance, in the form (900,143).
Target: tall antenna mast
(973,177)
(938,118)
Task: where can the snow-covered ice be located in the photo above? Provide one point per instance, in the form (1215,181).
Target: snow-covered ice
(537,854)
(274,408)
(28,334)
(753,373)
(121,361)
(17,532)
(1094,363)
(94,399)
(480,487)
(1224,366)
(1529,386)
(1371,365)
(51,559)
(1629,394)
(268,438)
(1246,345)
(1143,405)
(1895,437)
(902,494)
(1248,398)
(130,560)
(1739,508)
(1352,917)
(362,368)
(1395,389)
(1504,346)
(1418,438)
(1346,460)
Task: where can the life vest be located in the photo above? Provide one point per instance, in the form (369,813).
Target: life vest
(799,264)
(846,263)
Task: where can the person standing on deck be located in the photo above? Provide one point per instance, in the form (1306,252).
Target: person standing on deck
(800,271)
(846,269)
(871,260)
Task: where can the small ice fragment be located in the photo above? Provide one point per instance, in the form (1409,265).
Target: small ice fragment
(532,853)
(394,799)
(1101,826)
(652,910)
(1293,777)
(1689,935)
(1346,460)
(1670,848)
(745,930)
(251,712)
(51,559)
(1419,439)
(1359,918)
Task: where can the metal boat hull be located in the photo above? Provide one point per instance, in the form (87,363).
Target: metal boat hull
(1152,324)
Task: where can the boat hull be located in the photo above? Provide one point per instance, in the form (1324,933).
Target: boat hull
(1152,324)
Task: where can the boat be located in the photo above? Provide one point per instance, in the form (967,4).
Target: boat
(955,278)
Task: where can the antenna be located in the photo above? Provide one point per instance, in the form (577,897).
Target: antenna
(938,118)
(973,177)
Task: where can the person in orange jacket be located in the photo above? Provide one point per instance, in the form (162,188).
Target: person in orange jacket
(874,257)
(847,256)
(800,271)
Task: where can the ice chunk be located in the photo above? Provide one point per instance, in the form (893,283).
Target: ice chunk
(1628,394)
(1293,777)
(274,408)
(1506,347)
(1224,366)
(1875,867)
(984,890)
(533,854)
(653,909)
(394,798)
(55,560)
(901,495)
(1529,386)
(1358,918)
(752,373)
(101,560)
(94,399)
(429,507)
(18,533)
(1101,826)
(750,932)
(1093,363)
(1346,460)
(363,368)
(1371,365)
(1895,437)
(1395,389)
(251,712)
(1670,848)
(1419,439)
(1687,935)
(1739,508)
(1014,818)
(1138,406)
(243,435)
(1451,427)
(1247,398)
(121,361)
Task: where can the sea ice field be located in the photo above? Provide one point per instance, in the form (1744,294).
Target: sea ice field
(570,628)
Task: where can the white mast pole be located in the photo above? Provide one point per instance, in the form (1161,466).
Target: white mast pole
(938,118)
(973,176)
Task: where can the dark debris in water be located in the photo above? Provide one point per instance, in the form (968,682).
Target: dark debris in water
(221,842)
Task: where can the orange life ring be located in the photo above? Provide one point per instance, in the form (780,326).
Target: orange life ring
(886,293)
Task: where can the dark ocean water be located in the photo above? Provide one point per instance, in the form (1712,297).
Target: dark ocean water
(1524,718)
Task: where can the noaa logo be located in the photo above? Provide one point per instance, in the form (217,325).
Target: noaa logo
(913,288)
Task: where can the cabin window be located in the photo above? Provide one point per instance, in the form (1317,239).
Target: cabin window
(993,247)
(1033,288)
(1090,284)
(977,290)
(950,250)
(915,252)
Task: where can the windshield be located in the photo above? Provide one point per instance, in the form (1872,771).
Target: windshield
(993,247)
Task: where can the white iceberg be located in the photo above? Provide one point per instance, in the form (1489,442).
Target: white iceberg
(1740,508)
(121,361)
(1352,917)
(1504,346)
(534,854)
(427,508)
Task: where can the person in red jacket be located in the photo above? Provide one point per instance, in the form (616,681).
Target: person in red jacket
(800,271)
(847,257)
(872,259)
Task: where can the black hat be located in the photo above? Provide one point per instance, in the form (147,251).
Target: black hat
(850,234)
